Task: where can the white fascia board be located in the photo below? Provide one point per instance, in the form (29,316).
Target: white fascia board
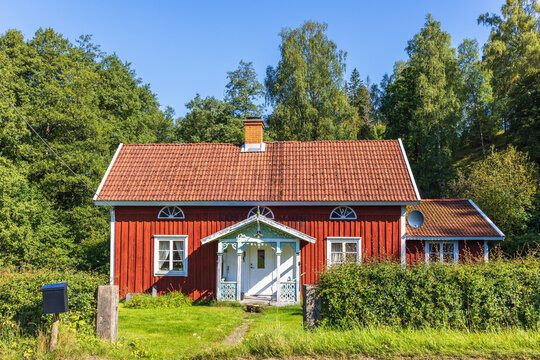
(264,220)
(473,238)
(96,195)
(253,203)
(487,219)
(411,176)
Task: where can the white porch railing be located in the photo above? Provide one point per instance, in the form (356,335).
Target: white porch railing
(228,291)
(287,291)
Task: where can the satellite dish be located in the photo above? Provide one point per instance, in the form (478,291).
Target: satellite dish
(415,219)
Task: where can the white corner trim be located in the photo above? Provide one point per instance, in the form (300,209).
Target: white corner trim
(264,220)
(411,176)
(96,195)
(112,246)
(487,219)
(403,248)
(157,238)
(342,239)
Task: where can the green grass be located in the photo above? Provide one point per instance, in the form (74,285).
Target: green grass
(177,332)
(167,333)
(278,332)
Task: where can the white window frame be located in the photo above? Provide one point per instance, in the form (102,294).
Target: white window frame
(342,218)
(170,238)
(342,240)
(441,253)
(253,211)
(182,216)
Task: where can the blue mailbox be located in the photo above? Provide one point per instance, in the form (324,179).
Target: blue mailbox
(55,298)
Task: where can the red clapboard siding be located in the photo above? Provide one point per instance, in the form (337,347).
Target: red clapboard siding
(379,228)
(468,249)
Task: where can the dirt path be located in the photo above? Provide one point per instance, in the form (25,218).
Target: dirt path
(238,333)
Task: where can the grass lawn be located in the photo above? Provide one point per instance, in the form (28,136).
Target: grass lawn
(278,332)
(171,333)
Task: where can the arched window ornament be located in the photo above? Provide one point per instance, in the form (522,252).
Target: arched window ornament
(263,210)
(171,212)
(343,213)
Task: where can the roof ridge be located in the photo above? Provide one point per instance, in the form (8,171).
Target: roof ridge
(268,142)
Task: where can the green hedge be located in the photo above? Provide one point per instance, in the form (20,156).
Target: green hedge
(172,299)
(468,296)
(21,301)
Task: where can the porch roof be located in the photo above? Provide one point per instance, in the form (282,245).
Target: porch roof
(262,219)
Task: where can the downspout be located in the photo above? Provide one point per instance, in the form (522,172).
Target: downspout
(112,243)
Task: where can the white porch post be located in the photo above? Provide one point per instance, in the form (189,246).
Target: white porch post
(403,248)
(486,251)
(239,274)
(278,274)
(219,269)
(297,265)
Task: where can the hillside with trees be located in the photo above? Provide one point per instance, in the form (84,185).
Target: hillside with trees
(468,116)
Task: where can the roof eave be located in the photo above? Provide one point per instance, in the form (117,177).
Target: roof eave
(96,195)
(472,238)
(411,176)
(253,203)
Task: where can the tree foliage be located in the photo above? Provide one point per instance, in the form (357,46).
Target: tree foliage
(307,88)
(504,186)
(83,103)
(421,104)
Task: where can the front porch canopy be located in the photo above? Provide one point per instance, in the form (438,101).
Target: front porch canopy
(258,230)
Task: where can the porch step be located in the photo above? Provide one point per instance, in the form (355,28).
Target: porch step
(258,300)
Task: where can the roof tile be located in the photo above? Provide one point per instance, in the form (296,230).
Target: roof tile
(450,218)
(287,171)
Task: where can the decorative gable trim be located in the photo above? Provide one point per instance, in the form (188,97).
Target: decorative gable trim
(272,223)
(409,169)
(488,220)
(96,195)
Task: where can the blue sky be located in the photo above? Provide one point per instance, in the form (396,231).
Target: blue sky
(183,48)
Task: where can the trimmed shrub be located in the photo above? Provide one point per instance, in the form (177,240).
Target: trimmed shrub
(169,300)
(500,294)
(21,301)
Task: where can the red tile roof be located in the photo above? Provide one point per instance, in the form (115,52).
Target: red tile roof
(290,171)
(451,218)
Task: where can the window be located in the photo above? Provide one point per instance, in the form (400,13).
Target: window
(340,250)
(343,213)
(260,259)
(171,212)
(442,251)
(263,210)
(170,255)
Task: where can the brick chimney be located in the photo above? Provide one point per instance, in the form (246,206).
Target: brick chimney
(254,135)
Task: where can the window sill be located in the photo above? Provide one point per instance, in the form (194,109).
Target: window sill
(171,273)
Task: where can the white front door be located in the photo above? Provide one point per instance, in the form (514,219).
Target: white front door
(261,266)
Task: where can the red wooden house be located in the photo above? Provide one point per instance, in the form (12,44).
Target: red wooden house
(260,219)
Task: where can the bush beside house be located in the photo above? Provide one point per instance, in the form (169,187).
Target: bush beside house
(489,296)
(21,303)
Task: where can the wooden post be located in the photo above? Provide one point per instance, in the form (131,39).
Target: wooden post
(54,331)
(239,275)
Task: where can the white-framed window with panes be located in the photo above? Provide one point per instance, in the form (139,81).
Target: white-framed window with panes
(343,249)
(442,251)
(170,255)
